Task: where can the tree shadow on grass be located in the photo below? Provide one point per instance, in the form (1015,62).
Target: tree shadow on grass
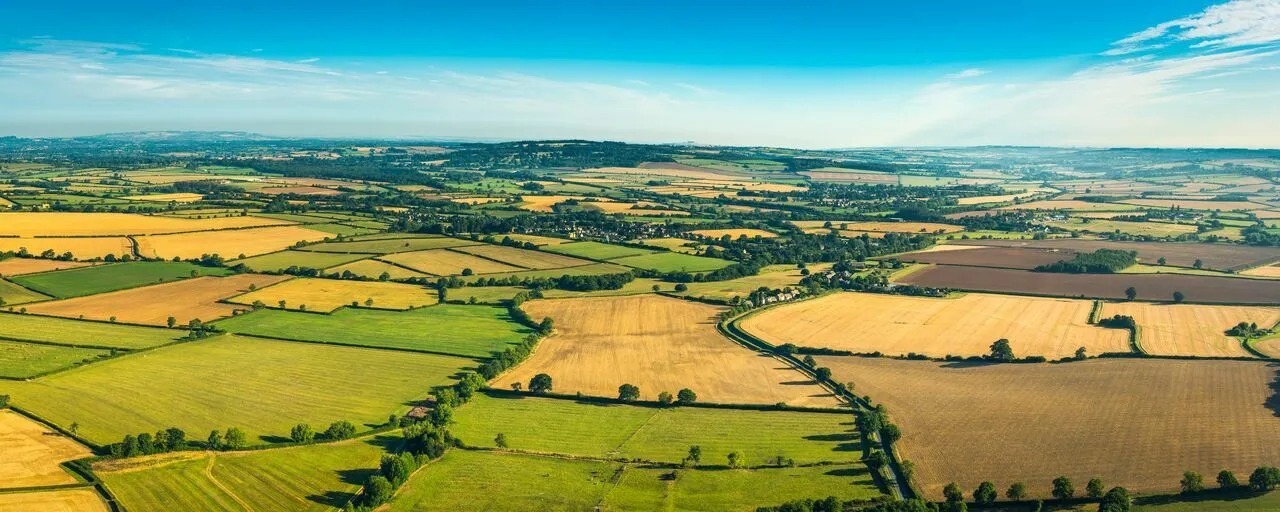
(1273,402)
(384,441)
(847,442)
(849,472)
(1210,495)
(968,364)
(275,439)
(333,499)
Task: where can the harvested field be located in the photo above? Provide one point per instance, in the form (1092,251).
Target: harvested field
(262,386)
(965,326)
(278,261)
(734,233)
(683,245)
(1196,205)
(902,227)
(773,276)
(597,250)
(374,269)
(1103,226)
(625,208)
(106,278)
(1069,204)
(68,500)
(229,243)
(1192,329)
(326,295)
(302,191)
(1269,346)
(180,197)
(318,477)
(1181,254)
(185,300)
(81,248)
(543,203)
(79,333)
(585,270)
(470,331)
(1031,423)
(537,240)
(1267,271)
(99,224)
(673,170)
(20,266)
(996,257)
(659,344)
(673,262)
(33,453)
(444,262)
(1153,287)
(389,245)
(840,175)
(523,258)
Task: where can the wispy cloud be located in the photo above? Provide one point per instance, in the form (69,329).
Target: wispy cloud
(1237,23)
(968,73)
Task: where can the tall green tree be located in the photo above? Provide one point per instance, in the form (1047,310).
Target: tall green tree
(985,494)
(1062,488)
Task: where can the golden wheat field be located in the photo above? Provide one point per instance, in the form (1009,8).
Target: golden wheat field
(1137,423)
(20,266)
(625,208)
(80,248)
(187,299)
(1265,271)
(33,453)
(374,269)
(68,500)
(229,243)
(1191,329)
(325,295)
(659,344)
(963,326)
(444,262)
(734,233)
(523,258)
(180,197)
(98,224)
(543,203)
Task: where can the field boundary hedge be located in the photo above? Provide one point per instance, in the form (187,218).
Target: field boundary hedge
(353,345)
(653,404)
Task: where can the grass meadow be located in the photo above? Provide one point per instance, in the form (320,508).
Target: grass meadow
(79,282)
(76,332)
(470,331)
(596,250)
(22,360)
(278,261)
(673,262)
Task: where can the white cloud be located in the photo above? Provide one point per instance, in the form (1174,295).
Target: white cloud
(1235,24)
(968,73)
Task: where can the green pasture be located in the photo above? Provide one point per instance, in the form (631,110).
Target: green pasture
(596,250)
(78,332)
(390,245)
(82,281)
(22,360)
(673,262)
(12,294)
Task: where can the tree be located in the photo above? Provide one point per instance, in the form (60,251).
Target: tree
(665,398)
(1116,500)
(75,428)
(368,303)
(952,493)
(500,440)
(175,438)
(1264,479)
(4,401)
(377,490)
(540,383)
(1016,492)
(1131,293)
(171,321)
(1198,264)
(809,361)
(302,433)
(1160,261)
(1192,482)
(397,468)
(891,433)
(1081,354)
(1001,351)
(1094,488)
(1178,297)
(695,455)
(215,440)
(340,430)
(657,288)
(985,494)
(1227,479)
(686,396)
(442,415)
(236,439)
(1062,488)
(737,459)
(681,287)
(822,373)
(628,392)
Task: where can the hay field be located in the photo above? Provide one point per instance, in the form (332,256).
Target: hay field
(374,269)
(19,360)
(1069,204)
(14,294)
(325,295)
(523,258)
(262,386)
(772,276)
(964,326)
(188,299)
(1000,198)
(540,241)
(659,344)
(106,278)
(1269,346)
(1267,271)
(20,266)
(404,243)
(734,233)
(1138,423)
(444,262)
(228,243)
(180,197)
(1196,205)
(278,261)
(74,332)
(695,173)
(33,452)
(81,248)
(673,262)
(1191,329)
(69,500)
(99,224)
(317,477)
(543,203)
(597,250)
(625,208)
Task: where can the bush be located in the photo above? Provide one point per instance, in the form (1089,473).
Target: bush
(339,430)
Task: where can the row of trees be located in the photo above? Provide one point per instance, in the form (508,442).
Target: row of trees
(1101,261)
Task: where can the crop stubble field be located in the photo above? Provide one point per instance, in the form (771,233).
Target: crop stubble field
(1137,423)
(33,452)
(659,344)
(184,300)
(963,326)
(1192,329)
(326,295)
(1154,287)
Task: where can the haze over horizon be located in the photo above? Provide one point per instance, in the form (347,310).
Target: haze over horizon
(1176,73)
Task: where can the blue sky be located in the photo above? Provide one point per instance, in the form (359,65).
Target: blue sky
(806,74)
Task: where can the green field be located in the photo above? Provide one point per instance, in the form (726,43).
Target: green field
(636,286)
(550,425)
(475,480)
(77,332)
(388,246)
(1132,228)
(596,250)
(82,281)
(278,261)
(14,294)
(773,276)
(484,294)
(1246,502)
(261,386)
(316,477)
(342,229)
(673,262)
(22,360)
(472,331)
(584,270)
